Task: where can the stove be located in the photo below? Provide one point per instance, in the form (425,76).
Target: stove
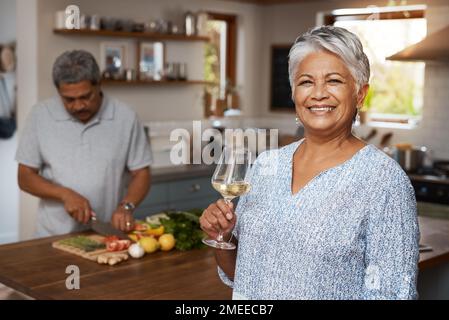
(430,186)
(432,195)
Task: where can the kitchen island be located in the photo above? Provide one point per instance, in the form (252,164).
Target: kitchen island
(38,270)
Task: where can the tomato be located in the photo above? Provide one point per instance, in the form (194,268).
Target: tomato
(140,227)
(111,245)
(124,244)
(120,246)
(110,239)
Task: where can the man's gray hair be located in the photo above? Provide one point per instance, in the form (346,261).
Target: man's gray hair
(76,66)
(337,40)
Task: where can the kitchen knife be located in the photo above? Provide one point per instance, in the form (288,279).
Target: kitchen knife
(106,229)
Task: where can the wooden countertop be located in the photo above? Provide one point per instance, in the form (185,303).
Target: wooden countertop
(37,270)
(435,233)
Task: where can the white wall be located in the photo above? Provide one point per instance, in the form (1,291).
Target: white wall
(27,94)
(7,21)
(9,192)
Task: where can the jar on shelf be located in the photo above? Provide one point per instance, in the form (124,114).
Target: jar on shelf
(189,23)
(201,23)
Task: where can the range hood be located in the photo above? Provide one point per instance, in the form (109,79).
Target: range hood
(434,47)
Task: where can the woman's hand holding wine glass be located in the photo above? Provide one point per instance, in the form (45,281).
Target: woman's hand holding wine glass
(218,217)
(230,180)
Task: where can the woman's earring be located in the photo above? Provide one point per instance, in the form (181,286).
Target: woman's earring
(297,120)
(357,116)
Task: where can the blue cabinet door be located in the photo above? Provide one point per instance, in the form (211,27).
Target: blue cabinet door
(196,193)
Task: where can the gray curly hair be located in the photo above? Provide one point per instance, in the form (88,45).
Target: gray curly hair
(75,66)
(337,40)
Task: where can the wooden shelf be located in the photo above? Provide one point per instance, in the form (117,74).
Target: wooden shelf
(125,34)
(153,82)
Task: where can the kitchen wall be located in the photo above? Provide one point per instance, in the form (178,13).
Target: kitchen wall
(434,130)
(9,192)
(7,21)
(288,21)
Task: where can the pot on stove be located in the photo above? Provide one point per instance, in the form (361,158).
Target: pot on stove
(410,158)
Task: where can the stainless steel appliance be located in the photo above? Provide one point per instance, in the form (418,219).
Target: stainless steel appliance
(431,187)
(411,158)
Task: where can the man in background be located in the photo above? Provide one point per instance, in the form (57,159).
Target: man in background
(80,150)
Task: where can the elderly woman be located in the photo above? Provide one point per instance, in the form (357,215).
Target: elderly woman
(334,218)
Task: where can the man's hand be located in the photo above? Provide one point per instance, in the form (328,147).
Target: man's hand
(122,220)
(77,206)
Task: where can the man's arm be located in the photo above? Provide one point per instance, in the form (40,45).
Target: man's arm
(139,186)
(137,190)
(76,205)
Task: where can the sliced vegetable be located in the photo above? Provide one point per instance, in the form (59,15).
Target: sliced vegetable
(110,239)
(118,245)
(83,243)
(156,231)
(140,226)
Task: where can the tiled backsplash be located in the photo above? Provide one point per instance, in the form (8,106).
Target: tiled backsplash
(434,132)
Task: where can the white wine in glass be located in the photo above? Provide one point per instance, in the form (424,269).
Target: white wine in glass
(230,180)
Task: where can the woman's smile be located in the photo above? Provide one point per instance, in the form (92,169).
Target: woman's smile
(321,110)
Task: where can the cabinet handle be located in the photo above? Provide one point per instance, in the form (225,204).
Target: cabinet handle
(195,187)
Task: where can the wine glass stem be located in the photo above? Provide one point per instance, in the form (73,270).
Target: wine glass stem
(220,233)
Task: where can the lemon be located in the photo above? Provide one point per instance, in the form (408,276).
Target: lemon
(167,242)
(149,244)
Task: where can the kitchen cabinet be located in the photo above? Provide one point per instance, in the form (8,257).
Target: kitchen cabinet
(184,194)
(435,47)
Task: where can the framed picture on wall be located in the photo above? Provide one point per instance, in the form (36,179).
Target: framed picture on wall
(280,90)
(113,59)
(151,60)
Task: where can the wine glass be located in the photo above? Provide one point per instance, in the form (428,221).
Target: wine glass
(230,180)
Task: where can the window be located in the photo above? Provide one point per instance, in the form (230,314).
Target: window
(220,52)
(396,88)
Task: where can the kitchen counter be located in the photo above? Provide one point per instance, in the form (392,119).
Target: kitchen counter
(435,233)
(175,173)
(37,270)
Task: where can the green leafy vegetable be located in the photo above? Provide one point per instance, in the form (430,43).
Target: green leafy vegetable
(185,226)
(83,243)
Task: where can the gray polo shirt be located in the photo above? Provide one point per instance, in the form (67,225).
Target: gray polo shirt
(93,159)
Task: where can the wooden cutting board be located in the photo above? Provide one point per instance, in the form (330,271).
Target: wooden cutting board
(92,255)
